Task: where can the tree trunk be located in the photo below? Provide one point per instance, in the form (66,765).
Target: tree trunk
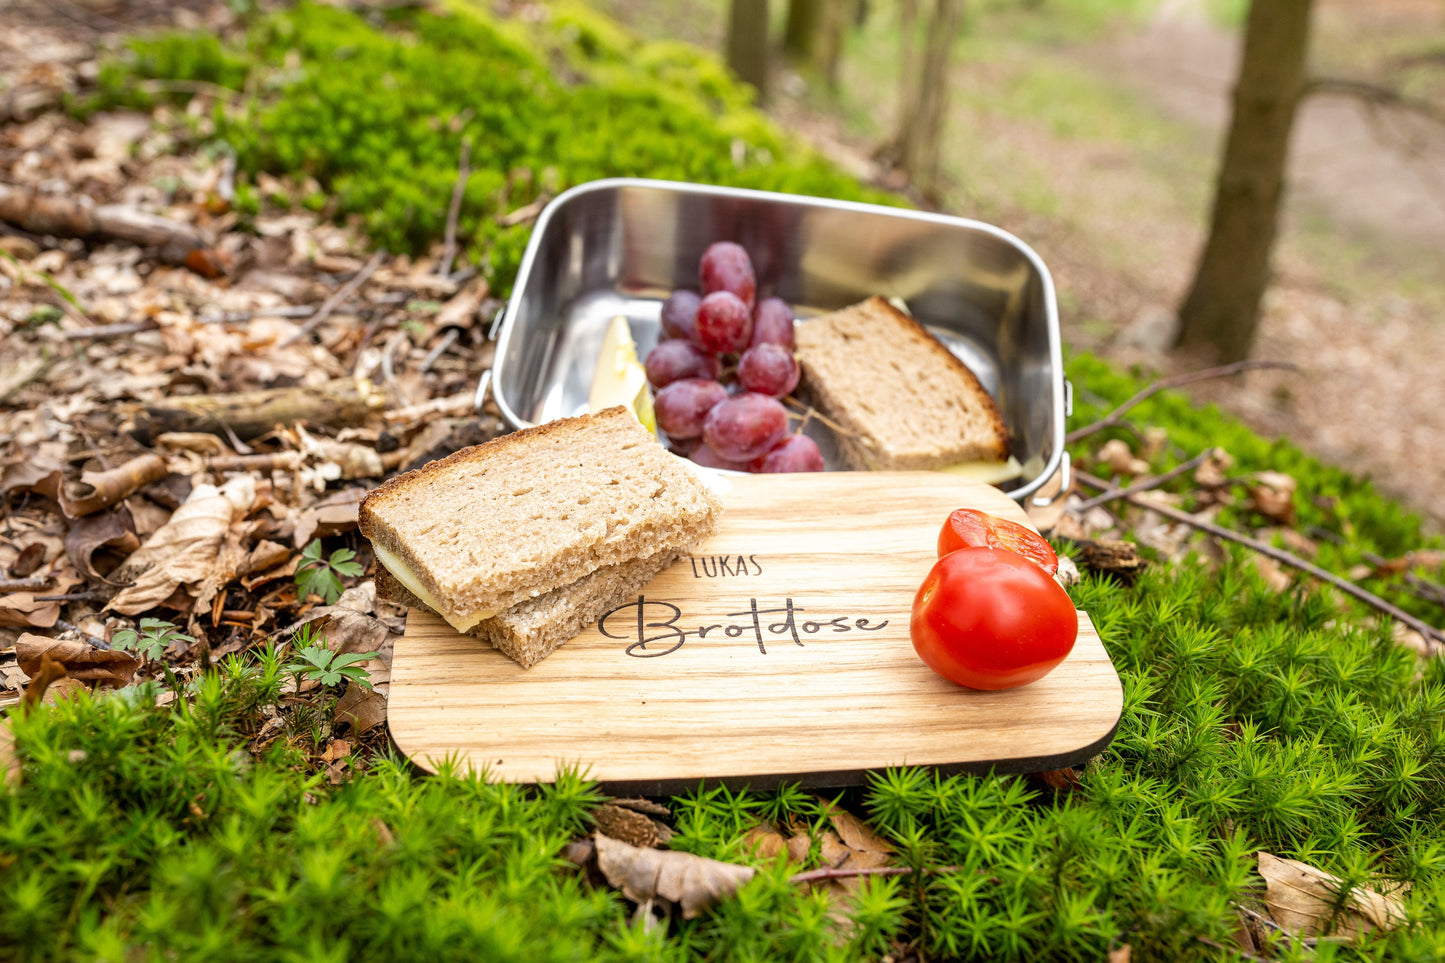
(747,43)
(837,17)
(1221,312)
(800,37)
(907,55)
(920,131)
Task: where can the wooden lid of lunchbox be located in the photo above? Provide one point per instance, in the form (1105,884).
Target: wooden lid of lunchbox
(785,658)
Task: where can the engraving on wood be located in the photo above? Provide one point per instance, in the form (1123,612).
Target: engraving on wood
(653,622)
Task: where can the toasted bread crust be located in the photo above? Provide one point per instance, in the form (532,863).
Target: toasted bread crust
(903,400)
(496,524)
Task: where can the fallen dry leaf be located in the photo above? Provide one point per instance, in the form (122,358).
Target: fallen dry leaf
(364,709)
(40,475)
(334,514)
(1121,954)
(86,536)
(695,883)
(1301,898)
(855,833)
(1274,576)
(97,490)
(81,661)
(1213,471)
(21,609)
(1272,495)
(766,841)
(1117,456)
(184,551)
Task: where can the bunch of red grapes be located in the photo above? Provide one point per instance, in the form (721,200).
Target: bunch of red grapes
(743,426)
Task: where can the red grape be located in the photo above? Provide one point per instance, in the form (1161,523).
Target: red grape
(725,266)
(745,426)
(682,406)
(723,323)
(769,369)
(704,455)
(794,453)
(773,323)
(674,360)
(679,315)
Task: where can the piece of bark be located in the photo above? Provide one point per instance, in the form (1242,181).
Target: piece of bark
(97,490)
(76,215)
(250,414)
(630,826)
(1112,557)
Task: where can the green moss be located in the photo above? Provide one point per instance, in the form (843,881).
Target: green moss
(377,117)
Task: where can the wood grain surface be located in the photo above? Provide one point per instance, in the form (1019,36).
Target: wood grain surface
(777,652)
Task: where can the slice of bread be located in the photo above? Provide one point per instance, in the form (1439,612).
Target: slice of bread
(515,518)
(530,631)
(901,399)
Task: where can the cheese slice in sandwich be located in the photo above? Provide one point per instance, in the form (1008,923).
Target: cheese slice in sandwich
(482,531)
(900,398)
(530,631)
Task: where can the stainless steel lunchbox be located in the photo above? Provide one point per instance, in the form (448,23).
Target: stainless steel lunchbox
(620,246)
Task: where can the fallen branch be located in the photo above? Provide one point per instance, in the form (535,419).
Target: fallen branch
(454,210)
(337,298)
(1175,381)
(1375,94)
(249,414)
(1157,481)
(1426,631)
(27,584)
(79,216)
(845,872)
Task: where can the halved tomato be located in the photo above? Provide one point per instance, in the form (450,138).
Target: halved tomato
(969,528)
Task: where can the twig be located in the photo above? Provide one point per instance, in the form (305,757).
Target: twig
(449,251)
(449,338)
(1147,484)
(1376,94)
(333,302)
(1231,949)
(85,636)
(1176,381)
(90,595)
(103,331)
(1428,632)
(24,584)
(829,872)
(808,411)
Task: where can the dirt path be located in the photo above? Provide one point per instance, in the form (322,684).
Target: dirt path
(1369,395)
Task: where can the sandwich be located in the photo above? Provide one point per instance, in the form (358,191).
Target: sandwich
(526,539)
(898,397)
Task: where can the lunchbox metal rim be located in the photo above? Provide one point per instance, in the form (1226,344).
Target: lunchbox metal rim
(539,231)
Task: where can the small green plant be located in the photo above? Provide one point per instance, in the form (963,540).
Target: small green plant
(151,642)
(318,663)
(317,575)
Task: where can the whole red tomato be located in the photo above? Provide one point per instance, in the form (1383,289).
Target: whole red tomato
(991,619)
(969,528)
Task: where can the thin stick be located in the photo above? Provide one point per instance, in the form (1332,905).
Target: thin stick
(1428,632)
(829,872)
(24,584)
(1231,949)
(449,251)
(1142,486)
(1179,380)
(103,331)
(810,411)
(449,338)
(333,302)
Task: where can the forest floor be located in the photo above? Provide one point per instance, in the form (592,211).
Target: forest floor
(1098,148)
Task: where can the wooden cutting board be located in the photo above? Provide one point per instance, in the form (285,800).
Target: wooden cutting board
(778,652)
